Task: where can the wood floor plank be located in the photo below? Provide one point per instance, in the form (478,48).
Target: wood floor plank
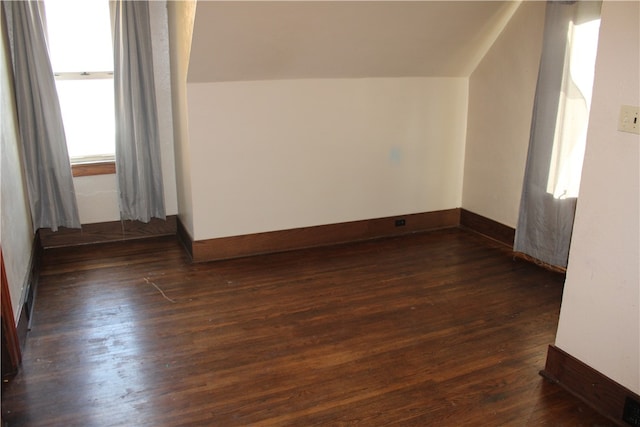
(442,328)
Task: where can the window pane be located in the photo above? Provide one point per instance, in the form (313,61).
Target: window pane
(79,35)
(88,116)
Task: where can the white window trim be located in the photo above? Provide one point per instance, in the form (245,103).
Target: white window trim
(84,75)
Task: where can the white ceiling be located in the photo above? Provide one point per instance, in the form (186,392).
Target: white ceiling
(265,40)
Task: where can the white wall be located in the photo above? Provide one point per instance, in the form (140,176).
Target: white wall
(501,94)
(600,316)
(162,77)
(181,16)
(282,154)
(16,230)
(276,40)
(97,195)
(97,198)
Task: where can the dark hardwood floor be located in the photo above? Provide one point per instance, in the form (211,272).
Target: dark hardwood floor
(434,329)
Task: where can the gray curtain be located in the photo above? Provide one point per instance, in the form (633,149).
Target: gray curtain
(47,167)
(138,163)
(546,214)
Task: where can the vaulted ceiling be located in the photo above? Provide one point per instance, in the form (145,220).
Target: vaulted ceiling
(264,40)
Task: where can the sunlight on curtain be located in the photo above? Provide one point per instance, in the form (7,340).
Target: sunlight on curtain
(573,110)
(558,131)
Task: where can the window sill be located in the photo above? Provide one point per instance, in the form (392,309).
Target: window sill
(91,169)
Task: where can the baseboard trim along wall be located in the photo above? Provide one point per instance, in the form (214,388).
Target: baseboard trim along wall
(113,231)
(11,348)
(322,235)
(487,227)
(276,241)
(31,290)
(595,389)
(184,238)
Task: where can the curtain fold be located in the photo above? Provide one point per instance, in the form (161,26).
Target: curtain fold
(138,162)
(558,134)
(48,170)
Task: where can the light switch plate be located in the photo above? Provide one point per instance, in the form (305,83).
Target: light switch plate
(628,121)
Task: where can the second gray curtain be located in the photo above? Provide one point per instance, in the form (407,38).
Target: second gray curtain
(545,222)
(138,163)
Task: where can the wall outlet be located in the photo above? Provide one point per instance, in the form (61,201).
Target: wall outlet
(628,121)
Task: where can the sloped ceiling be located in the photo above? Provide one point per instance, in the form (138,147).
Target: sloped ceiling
(265,40)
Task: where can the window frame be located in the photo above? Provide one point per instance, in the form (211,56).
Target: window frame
(93,168)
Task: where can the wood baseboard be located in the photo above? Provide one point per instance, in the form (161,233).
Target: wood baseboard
(11,349)
(185,238)
(487,227)
(24,321)
(539,263)
(103,232)
(323,235)
(502,234)
(595,389)
(276,241)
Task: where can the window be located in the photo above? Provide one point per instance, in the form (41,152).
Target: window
(81,53)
